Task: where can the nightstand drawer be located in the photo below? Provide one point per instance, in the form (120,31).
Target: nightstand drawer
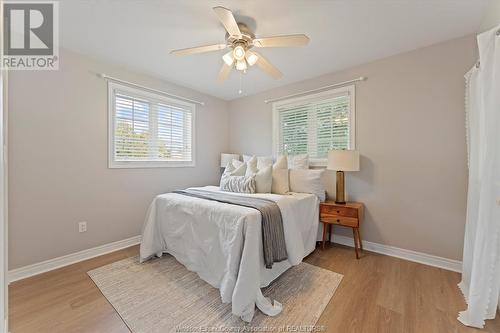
(338,211)
(340,220)
(349,214)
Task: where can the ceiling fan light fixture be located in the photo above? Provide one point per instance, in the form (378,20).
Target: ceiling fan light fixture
(240,40)
(241,65)
(228,58)
(239,53)
(251,58)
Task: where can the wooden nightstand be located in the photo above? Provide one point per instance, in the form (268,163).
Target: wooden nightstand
(348,215)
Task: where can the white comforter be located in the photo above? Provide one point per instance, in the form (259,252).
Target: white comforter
(223,242)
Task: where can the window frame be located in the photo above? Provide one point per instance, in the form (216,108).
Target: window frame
(114,87)
(350,90)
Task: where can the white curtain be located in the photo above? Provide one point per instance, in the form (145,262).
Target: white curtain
(481,259)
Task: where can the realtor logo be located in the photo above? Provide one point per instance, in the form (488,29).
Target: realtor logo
(30,35)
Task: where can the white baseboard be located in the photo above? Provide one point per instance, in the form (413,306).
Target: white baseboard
(422,258)
(51,264)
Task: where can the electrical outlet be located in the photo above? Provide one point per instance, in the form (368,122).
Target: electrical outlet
(82,226)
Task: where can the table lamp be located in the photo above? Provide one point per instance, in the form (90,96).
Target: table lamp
(225,158)
(340,161)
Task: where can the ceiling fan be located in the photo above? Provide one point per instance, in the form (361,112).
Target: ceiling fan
(240,39)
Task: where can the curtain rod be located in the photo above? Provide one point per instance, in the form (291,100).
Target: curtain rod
(362,78)
(110,78)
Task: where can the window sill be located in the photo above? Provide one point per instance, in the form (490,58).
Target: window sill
(147,165)
(318,163)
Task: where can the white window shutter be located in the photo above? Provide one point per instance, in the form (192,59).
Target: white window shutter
(132,128)
(149,130)
(315,124)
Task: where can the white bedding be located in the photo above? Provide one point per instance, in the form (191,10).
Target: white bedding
(223,242)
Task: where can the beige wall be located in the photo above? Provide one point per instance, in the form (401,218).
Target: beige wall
(491,16)
(58,172)
(410,132)
(411,135)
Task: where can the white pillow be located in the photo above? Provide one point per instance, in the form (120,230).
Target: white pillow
(237,163)
(262,161)
(263,177)
(252,162)
(229,168)
(281,163)
(300,161)
(235,168)
(280,176)
(308,181)
(247,158)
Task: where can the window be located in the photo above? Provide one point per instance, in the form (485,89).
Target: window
(149,130)
(315,124)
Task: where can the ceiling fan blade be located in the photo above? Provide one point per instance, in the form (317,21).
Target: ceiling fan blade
(199,49)
(281,41)
(224,72)
(228,21)
(267,67)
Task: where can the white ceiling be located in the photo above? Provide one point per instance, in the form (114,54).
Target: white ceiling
(140,35)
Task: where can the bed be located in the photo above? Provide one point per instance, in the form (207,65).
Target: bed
(222,242)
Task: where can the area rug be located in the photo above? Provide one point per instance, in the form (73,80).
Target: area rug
(161,295)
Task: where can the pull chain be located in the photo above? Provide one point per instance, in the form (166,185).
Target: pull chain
(240,91)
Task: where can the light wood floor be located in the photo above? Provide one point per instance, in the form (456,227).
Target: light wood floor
(378,294)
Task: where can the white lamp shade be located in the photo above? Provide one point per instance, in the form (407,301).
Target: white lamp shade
(226,158)
(343,160)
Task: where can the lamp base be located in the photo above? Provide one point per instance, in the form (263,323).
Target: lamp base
(340,189)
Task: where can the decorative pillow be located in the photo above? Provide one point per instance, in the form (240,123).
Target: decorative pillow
(300,161)
(252,162)
(263,177)
(281,163)
(237,163)
(232,171)
(239,184)
(280,176)
(235,168)
(262,161)
(308,181)
(247,158)
(229,168)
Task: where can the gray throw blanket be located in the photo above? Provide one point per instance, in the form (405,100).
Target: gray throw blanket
(273,236)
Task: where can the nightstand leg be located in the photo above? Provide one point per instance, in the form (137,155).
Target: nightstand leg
(359,239)
(330,233)
(324,235)
(355,238)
